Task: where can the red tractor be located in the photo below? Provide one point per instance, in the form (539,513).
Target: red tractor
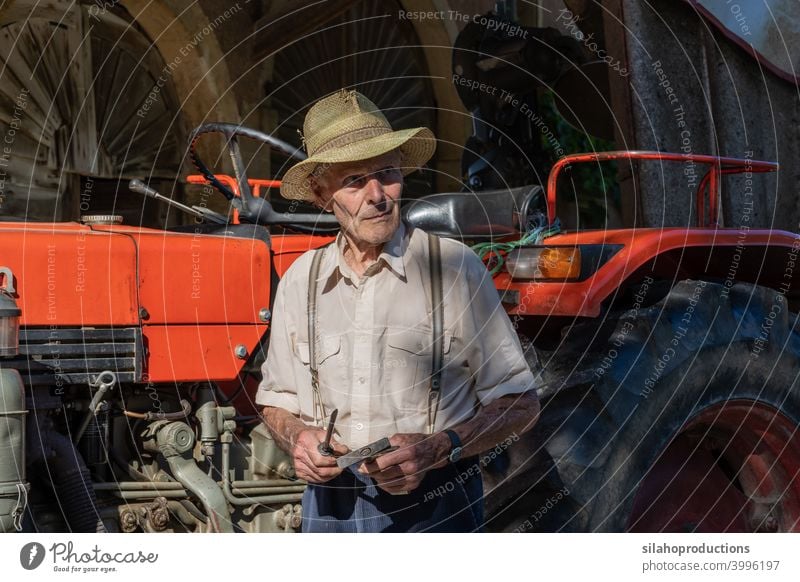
(667,360)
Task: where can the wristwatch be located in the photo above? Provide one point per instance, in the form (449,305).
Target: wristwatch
(456,448)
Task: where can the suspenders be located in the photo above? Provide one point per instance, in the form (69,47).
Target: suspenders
(437,311)
(313,275)
(437,314)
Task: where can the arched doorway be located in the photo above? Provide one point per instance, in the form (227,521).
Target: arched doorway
(86,103)
(364,50)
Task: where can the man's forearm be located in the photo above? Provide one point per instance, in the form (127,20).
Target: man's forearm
(506,416)
(283,426)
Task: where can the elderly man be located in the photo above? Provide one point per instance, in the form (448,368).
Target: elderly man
(401,332)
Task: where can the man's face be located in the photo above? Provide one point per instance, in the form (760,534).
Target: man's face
(365,197)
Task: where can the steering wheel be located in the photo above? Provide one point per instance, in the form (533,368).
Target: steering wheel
(252,209)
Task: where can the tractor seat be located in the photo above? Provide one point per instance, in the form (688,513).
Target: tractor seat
(476,215)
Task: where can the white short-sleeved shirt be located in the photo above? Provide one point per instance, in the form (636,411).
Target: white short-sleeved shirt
(375,341)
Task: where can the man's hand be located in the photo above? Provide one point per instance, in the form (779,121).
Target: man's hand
(403,470)
(309,464)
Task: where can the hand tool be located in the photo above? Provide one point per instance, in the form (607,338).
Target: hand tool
(366,453)
(324,447)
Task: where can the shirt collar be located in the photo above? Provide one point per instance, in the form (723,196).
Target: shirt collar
(392,254)
(394,250)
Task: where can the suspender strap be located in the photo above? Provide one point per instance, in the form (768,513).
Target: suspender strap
(313,276)
(435,263)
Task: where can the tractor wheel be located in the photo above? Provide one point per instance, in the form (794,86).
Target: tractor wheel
(684,418)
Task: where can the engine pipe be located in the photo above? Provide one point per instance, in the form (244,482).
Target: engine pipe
(175,441)
(186,408)
(251,496)
(104,382)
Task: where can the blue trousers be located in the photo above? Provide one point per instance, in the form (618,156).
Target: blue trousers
(449,499)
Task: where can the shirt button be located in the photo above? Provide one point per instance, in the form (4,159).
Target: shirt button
(361,380)
(359,426)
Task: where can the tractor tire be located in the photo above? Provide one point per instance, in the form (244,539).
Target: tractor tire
(679,415)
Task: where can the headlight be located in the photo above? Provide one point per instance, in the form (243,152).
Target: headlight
(558,263)
(544,263)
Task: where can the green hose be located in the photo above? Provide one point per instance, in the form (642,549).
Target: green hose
(493,253)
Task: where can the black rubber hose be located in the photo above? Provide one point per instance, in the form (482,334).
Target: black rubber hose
(60,463)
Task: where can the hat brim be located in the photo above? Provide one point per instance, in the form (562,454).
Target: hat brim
(417,146)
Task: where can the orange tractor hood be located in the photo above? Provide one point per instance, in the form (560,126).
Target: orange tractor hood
(198,299)
(71,274)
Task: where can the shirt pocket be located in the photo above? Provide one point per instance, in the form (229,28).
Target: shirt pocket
(330,366)
(407,372)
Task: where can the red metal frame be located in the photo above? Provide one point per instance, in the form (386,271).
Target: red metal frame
(719,165)
(710,178)
(255,186)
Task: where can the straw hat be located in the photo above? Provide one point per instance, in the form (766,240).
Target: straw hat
(348,127)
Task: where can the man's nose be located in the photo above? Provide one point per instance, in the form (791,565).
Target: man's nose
(374,191)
